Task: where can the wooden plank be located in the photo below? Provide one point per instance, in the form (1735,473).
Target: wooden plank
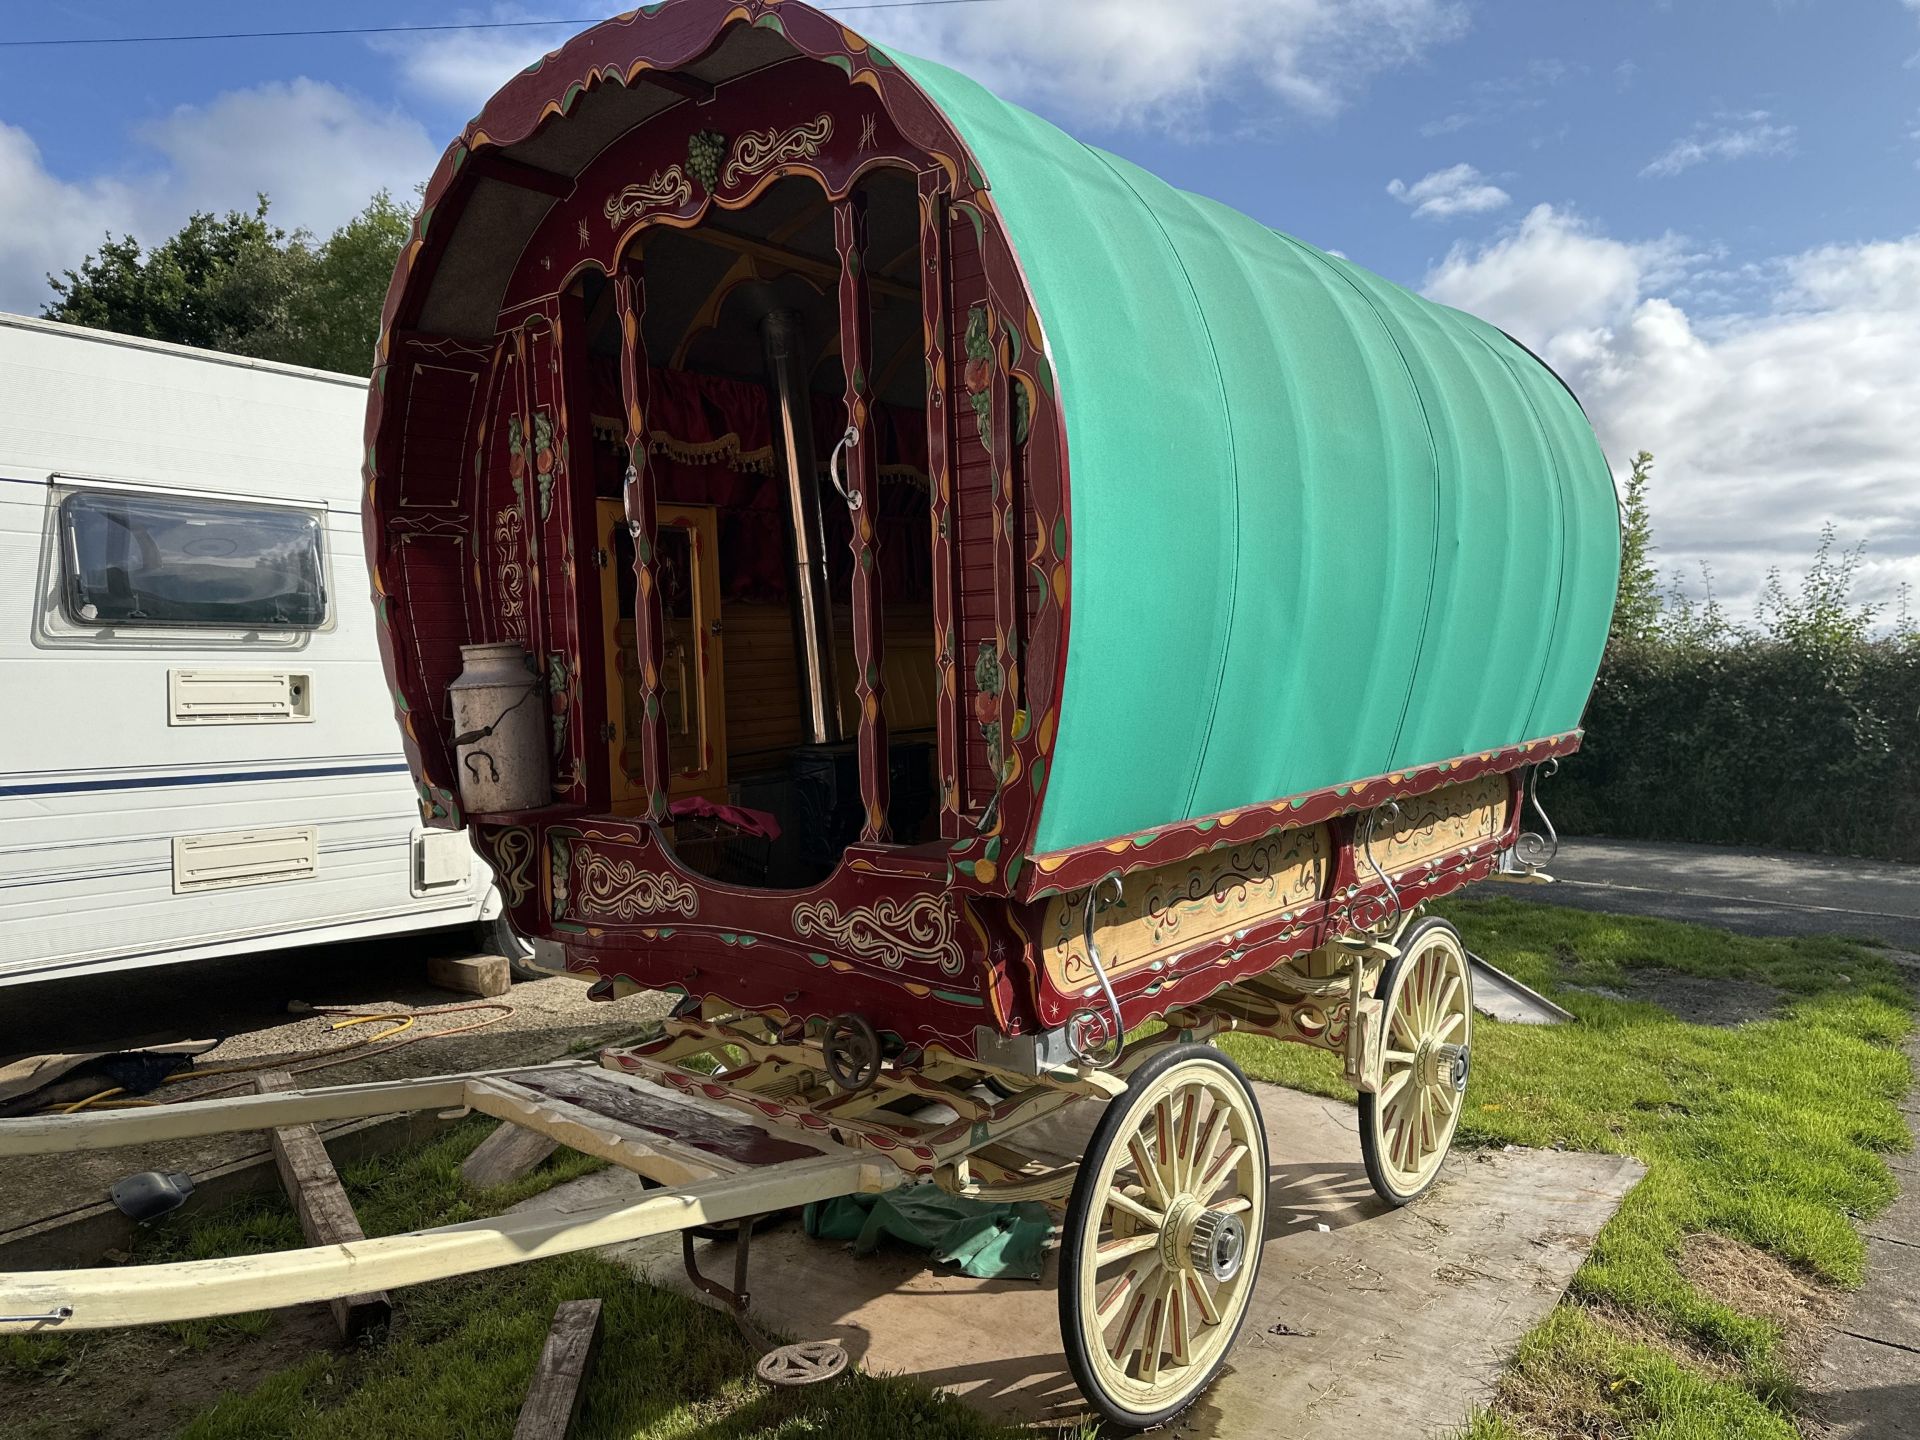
(507,1154)
(326,1215)
(103,1130)
(105,1298)
(559,1382)
(483,975)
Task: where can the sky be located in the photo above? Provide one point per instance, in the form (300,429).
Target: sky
(1705,214)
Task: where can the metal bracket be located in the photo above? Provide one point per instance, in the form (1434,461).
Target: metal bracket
(1116,1027)
(1532,850)
(737,1299)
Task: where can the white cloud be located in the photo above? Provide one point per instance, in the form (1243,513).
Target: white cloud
(1456,190)
(316,151)
(1801,409)
(1149,62)
(463,68)
(1753,135)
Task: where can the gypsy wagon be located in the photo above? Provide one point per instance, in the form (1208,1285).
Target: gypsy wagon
(975,622)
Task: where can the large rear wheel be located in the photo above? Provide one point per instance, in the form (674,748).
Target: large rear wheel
(1162,1239)
(1407,1126)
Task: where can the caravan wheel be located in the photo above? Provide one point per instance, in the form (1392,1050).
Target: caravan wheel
(1162,1239)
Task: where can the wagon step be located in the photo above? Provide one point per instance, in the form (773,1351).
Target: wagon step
(718,1165)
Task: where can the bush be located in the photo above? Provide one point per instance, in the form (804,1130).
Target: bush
(1799,732)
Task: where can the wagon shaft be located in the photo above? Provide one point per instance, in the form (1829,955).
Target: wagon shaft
(721,1166)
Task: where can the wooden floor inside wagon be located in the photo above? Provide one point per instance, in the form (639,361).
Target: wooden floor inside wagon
(1393,1322)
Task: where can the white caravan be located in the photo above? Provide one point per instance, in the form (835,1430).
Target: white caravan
(198,754)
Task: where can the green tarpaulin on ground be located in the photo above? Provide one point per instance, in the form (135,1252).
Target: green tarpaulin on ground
(987,1241)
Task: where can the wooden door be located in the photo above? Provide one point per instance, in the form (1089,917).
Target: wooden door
(692,697)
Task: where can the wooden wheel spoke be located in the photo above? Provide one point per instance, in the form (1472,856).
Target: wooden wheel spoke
(1453,1025)
(1156,1337)
(1121,1246)
(1230,1159)
(1391,1090)
(1209,1307)
(1136,1317)
(1445,1008)
(1238,1205)
(1210,1142)
(1148,1171)
(1163,1150)
(1399,1025)
(1177,1322)
(1145,1214)
(1185,1161)
(1130,1281)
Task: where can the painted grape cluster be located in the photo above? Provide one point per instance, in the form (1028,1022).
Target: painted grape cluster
(705,150)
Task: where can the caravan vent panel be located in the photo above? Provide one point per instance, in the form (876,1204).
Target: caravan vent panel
(244,857)
(237,697)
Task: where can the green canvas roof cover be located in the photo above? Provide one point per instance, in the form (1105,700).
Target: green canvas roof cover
(1322,529)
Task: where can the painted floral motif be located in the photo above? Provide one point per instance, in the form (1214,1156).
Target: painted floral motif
(705,150)
(543,459)
(758,151)
(509,528)
(890,931)
(979,373)
(986,703)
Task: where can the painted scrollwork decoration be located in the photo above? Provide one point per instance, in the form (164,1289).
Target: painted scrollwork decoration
(759,151)
(619,890)
(891,931)
(668,189)
(512,859)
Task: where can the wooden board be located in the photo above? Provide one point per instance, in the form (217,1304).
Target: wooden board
(507,1154)
(559,1382)
(326,1215)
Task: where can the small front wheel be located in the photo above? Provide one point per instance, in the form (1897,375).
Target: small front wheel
(1162,1239)
(1427,1030)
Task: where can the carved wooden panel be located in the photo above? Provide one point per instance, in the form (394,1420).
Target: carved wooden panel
(1169,910)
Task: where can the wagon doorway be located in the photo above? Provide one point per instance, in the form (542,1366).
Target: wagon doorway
(788,614)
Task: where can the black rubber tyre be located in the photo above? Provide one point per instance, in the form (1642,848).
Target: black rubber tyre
(498,937)
(1167,1077)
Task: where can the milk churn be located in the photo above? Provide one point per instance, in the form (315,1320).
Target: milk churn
(499,728)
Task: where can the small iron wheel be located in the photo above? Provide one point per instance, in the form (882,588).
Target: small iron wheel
(1427,1034)
(852,1049)
(1161,1245)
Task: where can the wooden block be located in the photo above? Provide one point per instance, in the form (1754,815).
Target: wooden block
(326,1215)
(559,1383)
(508,1153)
(483,975)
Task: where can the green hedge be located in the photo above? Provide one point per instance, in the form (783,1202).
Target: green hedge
(1760,741)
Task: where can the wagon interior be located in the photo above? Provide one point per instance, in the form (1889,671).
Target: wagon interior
(742,340)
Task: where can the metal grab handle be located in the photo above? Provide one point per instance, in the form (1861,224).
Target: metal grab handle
(1118,1026)
(852,437)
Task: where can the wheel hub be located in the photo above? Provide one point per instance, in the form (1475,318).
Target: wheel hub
(1218,1246)
(1444,1067)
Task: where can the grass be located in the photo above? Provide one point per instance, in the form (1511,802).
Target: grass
(1772,1132)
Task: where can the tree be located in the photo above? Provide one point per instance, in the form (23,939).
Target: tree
(240,284)
(1636,606)
(336,314)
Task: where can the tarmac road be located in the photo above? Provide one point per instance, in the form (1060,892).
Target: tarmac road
(1756,892)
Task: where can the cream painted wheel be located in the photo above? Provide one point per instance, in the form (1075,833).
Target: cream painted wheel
(1407,1126)
(1162,1239)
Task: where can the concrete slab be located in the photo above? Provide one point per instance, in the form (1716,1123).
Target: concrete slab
(1395,1322)
(1867,1384)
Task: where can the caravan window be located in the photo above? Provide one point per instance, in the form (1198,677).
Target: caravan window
(155,560)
